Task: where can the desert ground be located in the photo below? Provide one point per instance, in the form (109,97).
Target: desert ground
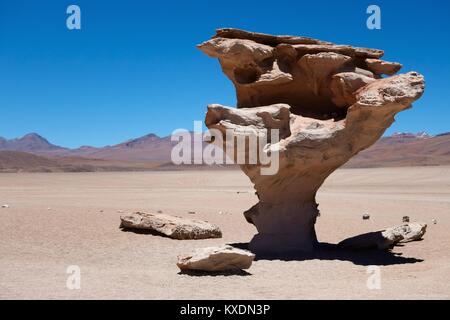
(56,220)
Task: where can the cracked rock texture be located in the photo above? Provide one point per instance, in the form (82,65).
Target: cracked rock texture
(328,102)
(170,226)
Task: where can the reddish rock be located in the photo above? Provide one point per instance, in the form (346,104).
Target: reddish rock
(329,103)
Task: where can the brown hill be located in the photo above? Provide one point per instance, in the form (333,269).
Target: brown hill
(405,150)
(13,161)
(149,148)
(18,161)
(31,142)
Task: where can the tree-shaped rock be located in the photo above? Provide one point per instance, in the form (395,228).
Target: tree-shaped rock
(328,102)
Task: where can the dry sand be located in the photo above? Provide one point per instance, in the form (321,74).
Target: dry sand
(37,245)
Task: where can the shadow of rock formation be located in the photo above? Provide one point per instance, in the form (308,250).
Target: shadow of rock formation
(197,273)
(328,251)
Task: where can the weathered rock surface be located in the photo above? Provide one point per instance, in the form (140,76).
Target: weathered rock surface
(388,238)
(344,85)
(170,226)
(223,258)
(378,66)
(407,232)
(268,69)
(328,102)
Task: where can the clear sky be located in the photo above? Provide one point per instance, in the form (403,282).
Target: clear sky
(133,68)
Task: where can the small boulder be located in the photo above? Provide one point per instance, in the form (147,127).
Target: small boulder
(386,239)
(366,216)
(173,227)
(406,219)
(407,232)
(5,206)
(215,259)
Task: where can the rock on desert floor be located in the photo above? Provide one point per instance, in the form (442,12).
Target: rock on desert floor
(37,245)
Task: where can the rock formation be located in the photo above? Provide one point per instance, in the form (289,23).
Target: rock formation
(170,226)
(223,258)
(388,238)
(327,101)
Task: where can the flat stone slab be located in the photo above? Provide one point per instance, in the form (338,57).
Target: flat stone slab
(171,226)
(388,238)
(214,259)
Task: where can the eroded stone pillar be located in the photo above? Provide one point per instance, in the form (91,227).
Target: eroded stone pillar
(328,102)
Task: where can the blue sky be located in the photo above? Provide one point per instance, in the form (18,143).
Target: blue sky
(133,67)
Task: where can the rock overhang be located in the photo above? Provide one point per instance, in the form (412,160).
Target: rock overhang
(318,79)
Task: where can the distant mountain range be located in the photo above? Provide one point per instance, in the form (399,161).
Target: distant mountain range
(33,152)
(31,142)
(406,149)
(149,148)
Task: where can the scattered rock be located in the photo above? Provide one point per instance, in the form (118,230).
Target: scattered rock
(434,221)
(223,258)
(383,240)
(407,232)
(406,219)
(5,206)
(191,212)
(173,227)
(366,216)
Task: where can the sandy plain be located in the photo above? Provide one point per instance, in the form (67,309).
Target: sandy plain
(56,220)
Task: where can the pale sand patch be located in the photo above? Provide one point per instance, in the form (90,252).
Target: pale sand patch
(37,244)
